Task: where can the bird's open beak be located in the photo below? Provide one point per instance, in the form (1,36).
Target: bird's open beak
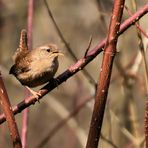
(58,53)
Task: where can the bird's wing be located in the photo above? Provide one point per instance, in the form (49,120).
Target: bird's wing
(17,69)
(22,65)
(23,47)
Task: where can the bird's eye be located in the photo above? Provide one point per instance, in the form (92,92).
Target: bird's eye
(48,50)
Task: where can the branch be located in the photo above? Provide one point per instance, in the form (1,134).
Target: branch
(59,125)
(89,44)
(137,24)
(105,75)
(25,116)
(146,123)
(7,109)
(76,67)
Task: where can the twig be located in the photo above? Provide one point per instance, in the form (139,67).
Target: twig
(108,141)
(125,132)
(141,48)
(102,18)
(77,66)
(25,116)
(86,73)
(146,123)
(54,130)
(7,109)
(137,25)
(129,105)
(103,83)
(89,44)
(145,65)
(59,32)
(29,23)
(65,120)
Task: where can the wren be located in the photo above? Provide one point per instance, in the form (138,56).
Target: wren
(34,67)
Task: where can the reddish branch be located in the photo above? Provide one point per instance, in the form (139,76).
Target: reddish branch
(137,24)
(7,109)
(146,124)
(29,23)
(25,116)
(103,83)
(77,66)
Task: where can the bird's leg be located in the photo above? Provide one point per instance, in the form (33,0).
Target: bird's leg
(34,93)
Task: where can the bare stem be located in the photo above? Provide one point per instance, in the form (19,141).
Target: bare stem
(105,74)
(137,24)
(25,115)
(63,122)
(6,106)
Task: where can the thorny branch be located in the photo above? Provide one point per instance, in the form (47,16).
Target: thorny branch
(137,25)
(105,75)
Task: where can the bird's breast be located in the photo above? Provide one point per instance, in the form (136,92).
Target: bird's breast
(40,73)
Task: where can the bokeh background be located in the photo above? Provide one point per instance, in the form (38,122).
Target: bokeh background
(78,20)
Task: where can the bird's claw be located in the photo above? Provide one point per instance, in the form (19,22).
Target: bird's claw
(34,93)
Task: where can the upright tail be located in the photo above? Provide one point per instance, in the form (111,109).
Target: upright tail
(23,47)
(23,40)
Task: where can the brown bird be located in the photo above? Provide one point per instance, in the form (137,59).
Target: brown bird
(34,67)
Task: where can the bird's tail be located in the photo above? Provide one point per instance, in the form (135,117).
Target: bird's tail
(23,40)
